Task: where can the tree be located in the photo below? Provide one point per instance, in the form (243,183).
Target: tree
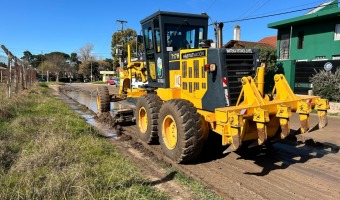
(59,54)
(268,55)
(104,65)
(110,61)
(85,52)
(28,56)
(55,63)
(37,60)
(85,68)
(74,58)
(126,37)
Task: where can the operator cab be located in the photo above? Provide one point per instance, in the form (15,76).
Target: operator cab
(168,32)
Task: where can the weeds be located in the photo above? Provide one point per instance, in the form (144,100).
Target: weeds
(201,191)
(49,152)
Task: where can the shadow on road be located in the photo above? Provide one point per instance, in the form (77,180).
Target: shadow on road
(283,154)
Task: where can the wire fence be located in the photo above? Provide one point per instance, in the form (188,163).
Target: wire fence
(16,75)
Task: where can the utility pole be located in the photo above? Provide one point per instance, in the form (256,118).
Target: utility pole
(123,40)
(91,69)
(121,23)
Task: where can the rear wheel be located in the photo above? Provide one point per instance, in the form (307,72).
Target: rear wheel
(180,131)
(147,110)
(103,99)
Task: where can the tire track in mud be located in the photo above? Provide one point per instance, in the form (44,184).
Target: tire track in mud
(285,170)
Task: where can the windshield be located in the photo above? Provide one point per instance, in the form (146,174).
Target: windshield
(183,36)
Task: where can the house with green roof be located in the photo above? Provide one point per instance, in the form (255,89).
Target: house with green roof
(308,43)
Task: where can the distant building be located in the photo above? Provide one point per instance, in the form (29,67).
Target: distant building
(307,43)
(269,42)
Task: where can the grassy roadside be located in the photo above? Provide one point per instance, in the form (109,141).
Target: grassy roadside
(49,152)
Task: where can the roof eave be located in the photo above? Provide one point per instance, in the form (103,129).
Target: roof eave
(305,18)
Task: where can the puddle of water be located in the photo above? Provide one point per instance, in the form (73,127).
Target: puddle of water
(89,100)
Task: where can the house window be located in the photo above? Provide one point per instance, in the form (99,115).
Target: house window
(337,32)
(284,46)
(300,40)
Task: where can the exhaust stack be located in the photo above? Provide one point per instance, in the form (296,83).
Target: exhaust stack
(220,40)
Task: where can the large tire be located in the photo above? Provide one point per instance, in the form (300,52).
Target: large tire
(146,113)
(180,131)
(103,99)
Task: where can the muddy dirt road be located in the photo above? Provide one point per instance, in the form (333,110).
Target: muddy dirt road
(306,167)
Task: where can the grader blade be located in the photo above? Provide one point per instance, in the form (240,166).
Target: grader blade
(285,128)
(284,113)
(323,120)
(234,146)
(321,106)
(261,117)
(262,133)
(233,132)
(304,108)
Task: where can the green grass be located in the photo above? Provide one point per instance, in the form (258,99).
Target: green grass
(49,152)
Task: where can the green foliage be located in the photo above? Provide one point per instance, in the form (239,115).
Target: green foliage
(28,56)
(129,37)
(268,56)
(37,60)
(47,151)
(327,84)
(59,54)
(269,77)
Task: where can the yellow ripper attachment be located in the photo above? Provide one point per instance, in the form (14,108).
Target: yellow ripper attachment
(258,118)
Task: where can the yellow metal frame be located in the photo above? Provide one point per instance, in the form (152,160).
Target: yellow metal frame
(255,116)
(236,121)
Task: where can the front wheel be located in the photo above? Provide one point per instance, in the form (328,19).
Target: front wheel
(180,130)
(147,110)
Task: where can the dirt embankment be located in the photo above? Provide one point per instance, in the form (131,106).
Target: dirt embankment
(304,169)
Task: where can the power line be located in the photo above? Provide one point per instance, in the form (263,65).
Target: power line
(272,15)
(210,5)
(258,8)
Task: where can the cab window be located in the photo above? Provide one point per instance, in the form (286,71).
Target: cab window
(148,38)
(183,37)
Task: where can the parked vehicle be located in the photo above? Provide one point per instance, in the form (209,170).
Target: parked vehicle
(41,80)
(111,81)
(117,81)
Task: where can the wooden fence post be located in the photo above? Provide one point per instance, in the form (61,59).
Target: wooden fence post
(16,79)
(9,79)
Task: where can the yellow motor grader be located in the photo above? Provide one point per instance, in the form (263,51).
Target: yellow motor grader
(193,90)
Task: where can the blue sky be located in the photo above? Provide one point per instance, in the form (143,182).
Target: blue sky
(43,26)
